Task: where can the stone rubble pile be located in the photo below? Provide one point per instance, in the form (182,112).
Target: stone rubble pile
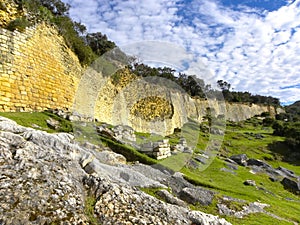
(124,134)
(181,147)
(287,178)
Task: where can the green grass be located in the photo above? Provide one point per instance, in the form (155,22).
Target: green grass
(147,137)
(175,162)
(89,210)
(130,153)
(37,120)
(153,192)
(86,132)
(232,185)
(238,139)
(256,219)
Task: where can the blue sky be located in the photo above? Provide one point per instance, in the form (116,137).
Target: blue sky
(252,44)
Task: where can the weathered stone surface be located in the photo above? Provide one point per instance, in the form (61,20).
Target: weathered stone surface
(114,106)
(117,204)
(10,126)
(37,182)
(257,162)
(240,159)
(169,198)
(197,195)
(43,181)
(292,185)
(38,71)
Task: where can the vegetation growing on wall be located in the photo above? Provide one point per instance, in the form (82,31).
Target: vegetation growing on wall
(196,87)
(87,46)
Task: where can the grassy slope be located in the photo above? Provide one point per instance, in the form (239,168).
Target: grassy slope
(239,138)
(37,120)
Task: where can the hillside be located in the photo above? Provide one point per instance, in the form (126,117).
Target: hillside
(84,140)
(256,193)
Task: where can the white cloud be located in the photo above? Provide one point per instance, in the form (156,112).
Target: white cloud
(253,50)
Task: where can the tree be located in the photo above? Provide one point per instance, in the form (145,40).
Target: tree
(224,85)
(79,28)
(99,43)
(57,7)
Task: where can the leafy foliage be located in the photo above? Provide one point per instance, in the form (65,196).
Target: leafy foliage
(99,43)
(237,96)
(288,125)
(290,130)
(19,24)
(55,12)
(67,29)
(196,87)
(189,83)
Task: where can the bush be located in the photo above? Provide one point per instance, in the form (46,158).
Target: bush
(268,121)
(66,28)
(19,24)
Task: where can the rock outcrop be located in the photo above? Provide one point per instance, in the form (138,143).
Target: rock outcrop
(50,179)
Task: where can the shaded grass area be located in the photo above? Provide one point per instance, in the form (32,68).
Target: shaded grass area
(130,153)
(87,132)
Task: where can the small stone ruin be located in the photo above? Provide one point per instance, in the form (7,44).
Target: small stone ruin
(158,150)
(181,147)
(124,133)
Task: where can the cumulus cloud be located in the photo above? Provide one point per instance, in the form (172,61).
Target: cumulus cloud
(255,50)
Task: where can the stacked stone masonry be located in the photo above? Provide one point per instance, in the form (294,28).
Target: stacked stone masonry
(37,70)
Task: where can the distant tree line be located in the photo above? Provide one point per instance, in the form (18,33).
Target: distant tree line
(237,96)
(196,87)
(87,46)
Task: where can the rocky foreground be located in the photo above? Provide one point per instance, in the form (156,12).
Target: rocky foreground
(51,179)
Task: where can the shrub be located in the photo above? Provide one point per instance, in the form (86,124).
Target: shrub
(66,28)
(19,24)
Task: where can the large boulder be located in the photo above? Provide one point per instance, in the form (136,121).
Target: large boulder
(197,195)
(257,162)
(292,185)
(240,159)
(169,198)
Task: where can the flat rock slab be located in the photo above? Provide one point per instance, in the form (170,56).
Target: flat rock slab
(197,195)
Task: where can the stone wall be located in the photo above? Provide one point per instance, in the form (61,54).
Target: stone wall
(115,106)
(37,70)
